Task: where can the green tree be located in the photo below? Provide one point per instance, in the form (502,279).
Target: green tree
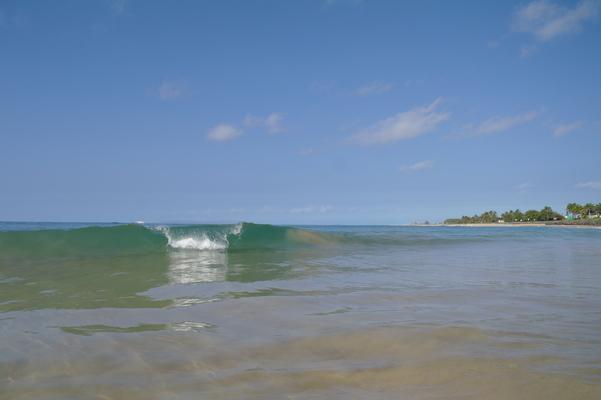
(574,209)
(512,216)
(518,216)
(531,215)
(588,209)
(488,217)
(546,214)
(508,216)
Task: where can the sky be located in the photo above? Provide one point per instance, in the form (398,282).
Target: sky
(297,112)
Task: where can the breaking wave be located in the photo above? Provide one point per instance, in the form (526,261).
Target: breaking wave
(137,239)
(99,241)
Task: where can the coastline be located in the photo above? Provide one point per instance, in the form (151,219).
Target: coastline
(515,225)
(524,225)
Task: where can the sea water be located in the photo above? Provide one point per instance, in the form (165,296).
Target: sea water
(249,311)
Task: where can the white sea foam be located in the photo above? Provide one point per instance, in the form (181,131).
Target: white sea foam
(198,243)
(198,240)
(237,229)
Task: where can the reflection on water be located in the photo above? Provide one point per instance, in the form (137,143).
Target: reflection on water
(192,266)
(269,265)
(81,283)
(124,281)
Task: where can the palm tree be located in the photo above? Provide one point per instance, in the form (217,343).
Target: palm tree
(588,209)
(574,209)
(546,214)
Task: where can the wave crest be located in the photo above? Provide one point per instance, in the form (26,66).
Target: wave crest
(97,241)
(191,238)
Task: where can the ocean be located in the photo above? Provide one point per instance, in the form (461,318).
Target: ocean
(251,311)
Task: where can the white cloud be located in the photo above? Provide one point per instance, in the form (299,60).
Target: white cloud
(373,88)
(223,132)
(564,129)
(500,124)
(589,185)
(546,20)
(273,123)
(404,125)
(169,91)
(418,166)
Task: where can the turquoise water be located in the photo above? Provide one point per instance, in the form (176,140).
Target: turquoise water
(261,311)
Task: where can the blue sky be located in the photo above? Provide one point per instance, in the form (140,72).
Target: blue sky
(299,112)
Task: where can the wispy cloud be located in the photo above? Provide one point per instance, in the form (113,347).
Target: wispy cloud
(223,132)
(273,123)
(169,91)
(373,88)
(527,50)
(418,166)
(500,124)
(589,185)
(404,125)
(306,152)
(564,129)
(311,210)
(546,20)
(523,186)
(119,7)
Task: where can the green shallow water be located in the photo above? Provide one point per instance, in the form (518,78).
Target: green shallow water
(260,311)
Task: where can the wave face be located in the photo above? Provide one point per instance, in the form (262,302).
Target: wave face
(117,240)
(90,241)
(138,239)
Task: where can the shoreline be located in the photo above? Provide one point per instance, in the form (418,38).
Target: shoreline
(523,225)
(511,225)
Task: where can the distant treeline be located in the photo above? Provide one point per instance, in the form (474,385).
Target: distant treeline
(583,211)
(489,217)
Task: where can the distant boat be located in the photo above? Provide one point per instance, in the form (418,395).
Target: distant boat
(139,222)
